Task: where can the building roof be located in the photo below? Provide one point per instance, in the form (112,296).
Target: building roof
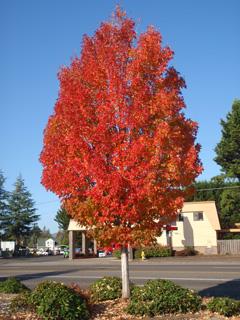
(75,226)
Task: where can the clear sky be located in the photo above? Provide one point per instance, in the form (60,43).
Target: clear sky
(38,37)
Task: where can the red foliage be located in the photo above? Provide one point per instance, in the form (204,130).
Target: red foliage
(118,149)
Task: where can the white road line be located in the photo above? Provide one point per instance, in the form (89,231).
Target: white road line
(29,277)
(146,278)
(229,267)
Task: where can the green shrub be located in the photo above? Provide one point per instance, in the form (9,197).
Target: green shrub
(7,254)
(107,288)
(150,252)
(225,306)
(54,300)
(155,251)
(188,251)
(117,253)
(162,297)
(12,285)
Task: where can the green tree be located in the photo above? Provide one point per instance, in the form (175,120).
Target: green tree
(3,203)
(209,190)
(21,215)
(228,149)
(45,233)
(35,235)
(62,218)
(62,237)
(230,207)
(225,192)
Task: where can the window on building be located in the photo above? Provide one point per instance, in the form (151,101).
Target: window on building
(198,216)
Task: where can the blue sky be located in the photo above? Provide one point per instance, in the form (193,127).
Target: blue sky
(38,37)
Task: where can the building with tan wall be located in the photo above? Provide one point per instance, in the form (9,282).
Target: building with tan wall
(197,226)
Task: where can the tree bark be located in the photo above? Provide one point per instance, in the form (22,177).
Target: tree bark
(84,240)
(125,273)
(71,245)
(130,253)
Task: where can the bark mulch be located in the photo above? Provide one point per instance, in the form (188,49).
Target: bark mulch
(108,310)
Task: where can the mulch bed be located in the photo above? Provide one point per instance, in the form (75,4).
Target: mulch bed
(107,310)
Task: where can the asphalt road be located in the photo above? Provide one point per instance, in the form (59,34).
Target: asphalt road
(210,276)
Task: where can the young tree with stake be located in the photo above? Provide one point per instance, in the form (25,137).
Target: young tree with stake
(118,149)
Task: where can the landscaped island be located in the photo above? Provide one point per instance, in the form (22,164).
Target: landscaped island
(161,299)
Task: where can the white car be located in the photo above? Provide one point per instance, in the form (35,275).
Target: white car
(42,252)
(101,253)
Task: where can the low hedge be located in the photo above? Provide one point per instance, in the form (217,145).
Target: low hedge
(162,297)
(224,306)
(149,252)
(55,301)
(117,254)
(12,285)
(153,252)
(107,288)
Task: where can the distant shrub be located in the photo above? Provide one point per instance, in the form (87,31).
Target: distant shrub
(224,306)
(7,254)
(230,236)
(107,288)
(162,297)
(187,251)
(117,253)
(12,285)
(56,301)
(149,252)
(153,252)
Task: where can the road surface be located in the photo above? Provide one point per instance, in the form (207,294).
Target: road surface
(210,276)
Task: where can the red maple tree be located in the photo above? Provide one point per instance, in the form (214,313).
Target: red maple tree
(118,149)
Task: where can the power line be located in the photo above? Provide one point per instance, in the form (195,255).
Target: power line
(233,187)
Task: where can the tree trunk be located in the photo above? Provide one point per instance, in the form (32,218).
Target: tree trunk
(130,253)
(125,273)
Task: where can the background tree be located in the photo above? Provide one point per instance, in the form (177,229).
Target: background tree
(118,150)
(62,218)
(3,203)
(35,235)
(225,192)
(228,149)
(21,213)
(62,237)
(230,207)
(45,233)
(208,190)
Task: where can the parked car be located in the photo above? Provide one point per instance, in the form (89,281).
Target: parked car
(101,253)
(42,252)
